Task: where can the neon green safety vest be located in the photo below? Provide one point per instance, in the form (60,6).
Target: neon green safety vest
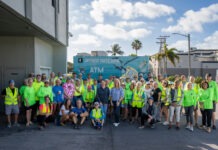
(137,100)
(77,93)
(97,113)
(10,98)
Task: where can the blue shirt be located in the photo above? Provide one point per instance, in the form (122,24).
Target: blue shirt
(78,111)
(116,94)
(58,93)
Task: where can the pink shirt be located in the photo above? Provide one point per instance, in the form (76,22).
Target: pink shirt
(68,89)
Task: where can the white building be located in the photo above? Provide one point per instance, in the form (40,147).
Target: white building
(202,62)
(93,53)
(33,38)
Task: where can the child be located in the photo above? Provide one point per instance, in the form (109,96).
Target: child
(97,116)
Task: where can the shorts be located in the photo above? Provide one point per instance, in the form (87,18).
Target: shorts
(58,101)
(30,107)
(214,106)
(11,109)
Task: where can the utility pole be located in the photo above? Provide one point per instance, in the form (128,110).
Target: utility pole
(162,41)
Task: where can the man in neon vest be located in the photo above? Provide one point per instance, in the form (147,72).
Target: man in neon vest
(88,97)
(12,98)
(214,88)
(97,116)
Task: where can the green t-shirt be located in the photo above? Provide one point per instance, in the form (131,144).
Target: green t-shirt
(22,88)
(36,86)
(89,96)
(189,98)
(205,97)
(45,91)
(127,96)
(213,86)
(29,95)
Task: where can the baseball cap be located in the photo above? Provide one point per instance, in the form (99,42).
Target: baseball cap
(151,98)
(147,82)
(11,81)
(96,103)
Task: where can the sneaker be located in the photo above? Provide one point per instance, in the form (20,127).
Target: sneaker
(41,128)
(152,126)
(16,124)
(9,125)
(116,124)
(141,127)
(214,127)
(208,130)
(196,125)
(169,127)
(158,121)
(187,127)
(166,123)
(62,124)
(177,128)
(191,128)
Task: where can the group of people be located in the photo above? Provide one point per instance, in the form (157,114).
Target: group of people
(63,99)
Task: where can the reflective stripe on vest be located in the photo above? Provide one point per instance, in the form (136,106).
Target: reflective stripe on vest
(45,109)
(97,113)
(77,93)
(138,95)
(10,98)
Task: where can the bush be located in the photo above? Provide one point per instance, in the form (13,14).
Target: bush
(171,78)
(198,80)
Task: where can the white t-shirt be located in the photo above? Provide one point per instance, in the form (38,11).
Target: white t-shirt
(64,109)
(148,92)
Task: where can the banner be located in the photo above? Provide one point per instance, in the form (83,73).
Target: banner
(119,66)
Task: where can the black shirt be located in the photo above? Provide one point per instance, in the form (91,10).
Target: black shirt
(155,94)
(103,95)
(12,90)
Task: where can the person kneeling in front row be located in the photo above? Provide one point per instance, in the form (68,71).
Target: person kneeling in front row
(45,113)
(149,112)
(79,114)
(97,116)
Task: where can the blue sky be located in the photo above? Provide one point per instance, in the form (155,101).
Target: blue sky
(98,24)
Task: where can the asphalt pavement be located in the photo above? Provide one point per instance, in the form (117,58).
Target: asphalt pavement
(125,137)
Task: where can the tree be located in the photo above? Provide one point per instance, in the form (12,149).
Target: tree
(133,55)
(115,49)
(69,67)
(136,45)
(167,54)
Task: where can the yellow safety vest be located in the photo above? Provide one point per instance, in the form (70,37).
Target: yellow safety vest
(77,93)
(97,113)
(137,100)
(179,95)
(10,98)
(45,109)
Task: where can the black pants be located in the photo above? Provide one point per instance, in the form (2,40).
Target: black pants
(206,117)
(42,119)
(144,118)
(189,114)
(134,109)
(116,112)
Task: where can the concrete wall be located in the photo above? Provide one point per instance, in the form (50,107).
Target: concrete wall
(17,5)
(43,15)
(60,59)
(16,59)
(43,56)
(62,22)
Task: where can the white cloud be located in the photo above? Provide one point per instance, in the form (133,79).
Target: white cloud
(127,10)
(131,24)
(79,27)
(85,7)
(112,32)
(169,20)
(86,39)
(193,21)
(210,42)
(180,45)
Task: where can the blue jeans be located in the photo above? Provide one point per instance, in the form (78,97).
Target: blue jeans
(116,112)
(104,108)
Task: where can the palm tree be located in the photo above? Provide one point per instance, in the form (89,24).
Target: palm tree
(115,49)
(167,54)
(136,45)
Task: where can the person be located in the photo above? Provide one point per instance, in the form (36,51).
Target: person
(81,78)
(97,116)
(69,89)
(29,101)
(78,114)
(78,93)
(45,90)
(74,76)
(148,113)
(22,88)
(116,97)
(183,81)
(44,113)
(189,103)
(65,112)
(159,81)
(88,98)
(58,93)
(206,105)
(214,91)
(100,78)
(95,86)
(138,101)
(111,82)
(12,101)
(156,94)
(147,90)
(164,101)
(52,79)
(102,96)
(126,103)
(175,100)
(37,85)
(90,81)
(44,77)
